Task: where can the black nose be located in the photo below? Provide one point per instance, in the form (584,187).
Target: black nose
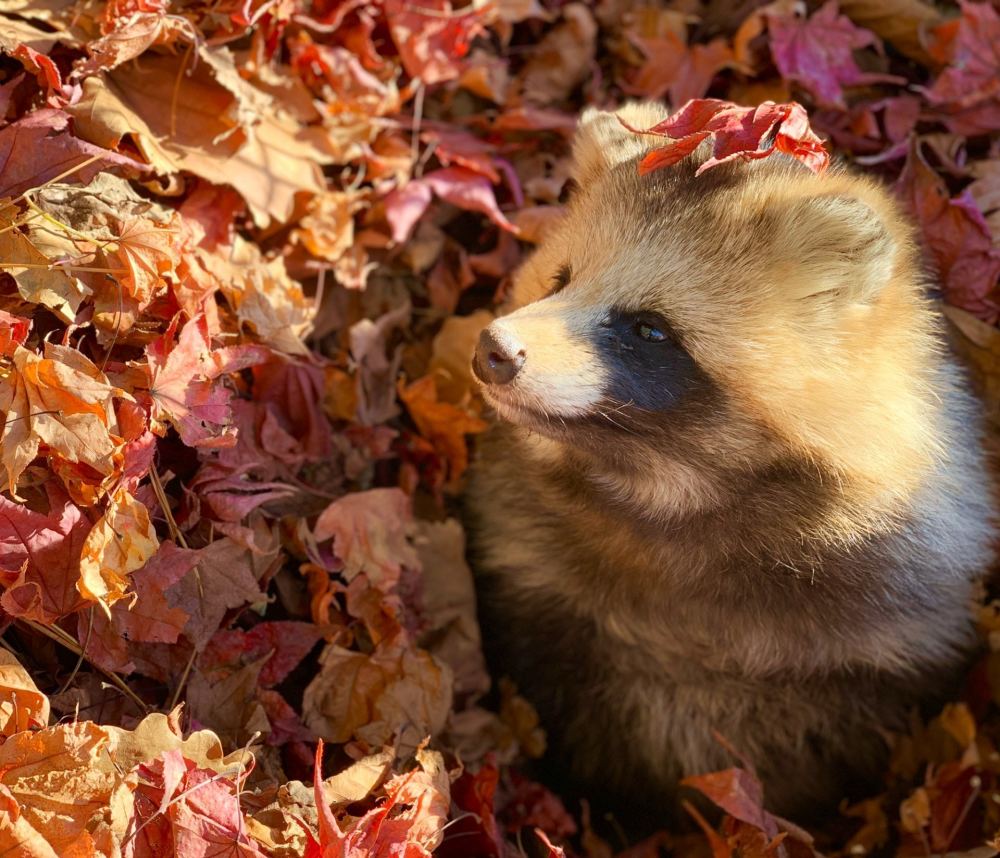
(499,356)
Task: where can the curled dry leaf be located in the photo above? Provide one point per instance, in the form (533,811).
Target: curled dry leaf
(743,133)
(398,690)
(121,541)
(22,705)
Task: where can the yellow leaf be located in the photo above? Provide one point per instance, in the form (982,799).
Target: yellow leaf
(121,542)
(22,705)
(264,296)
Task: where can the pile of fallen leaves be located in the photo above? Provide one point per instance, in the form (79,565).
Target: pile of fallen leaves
(245,248)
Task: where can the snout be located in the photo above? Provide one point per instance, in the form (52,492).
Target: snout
(499,355)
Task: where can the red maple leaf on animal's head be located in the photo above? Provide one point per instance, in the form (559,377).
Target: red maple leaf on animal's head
(747,133)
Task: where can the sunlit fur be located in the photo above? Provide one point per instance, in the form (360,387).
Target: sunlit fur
(790,559)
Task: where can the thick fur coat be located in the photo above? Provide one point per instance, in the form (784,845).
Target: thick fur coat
(736,483)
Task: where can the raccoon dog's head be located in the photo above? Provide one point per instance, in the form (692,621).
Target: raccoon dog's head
(686,329)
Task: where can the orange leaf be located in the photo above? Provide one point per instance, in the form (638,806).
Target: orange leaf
(121,542)
(22,705)
(441,423)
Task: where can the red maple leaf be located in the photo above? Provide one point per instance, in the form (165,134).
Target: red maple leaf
(818,52)
(747,133)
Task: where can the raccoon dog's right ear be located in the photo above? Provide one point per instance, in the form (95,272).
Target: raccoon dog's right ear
(602,141)
(838,244)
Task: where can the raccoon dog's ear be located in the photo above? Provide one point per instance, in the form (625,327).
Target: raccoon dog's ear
(602,141)
(837,245)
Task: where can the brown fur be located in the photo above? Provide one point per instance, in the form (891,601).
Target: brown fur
(788,554)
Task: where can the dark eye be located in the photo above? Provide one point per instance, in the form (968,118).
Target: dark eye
(561,279)
(651,332)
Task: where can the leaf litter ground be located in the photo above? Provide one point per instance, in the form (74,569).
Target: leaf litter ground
(245,249)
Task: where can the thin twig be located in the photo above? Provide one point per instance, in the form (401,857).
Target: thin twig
(175,531)
(175,95)
(161,496)
(176,696)
(79,660)
(418,115)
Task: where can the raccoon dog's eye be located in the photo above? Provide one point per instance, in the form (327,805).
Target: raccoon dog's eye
(651,332)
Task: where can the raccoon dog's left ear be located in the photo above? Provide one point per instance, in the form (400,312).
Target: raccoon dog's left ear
(602,141)
(838,245)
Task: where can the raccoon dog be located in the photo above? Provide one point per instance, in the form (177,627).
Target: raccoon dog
(737,485)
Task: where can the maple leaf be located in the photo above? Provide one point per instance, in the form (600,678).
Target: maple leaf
(744,133)
(147,251)
(131,35)
(205,131)
(398,690)
(194,811)
(957,236)
(228,702)
(292,392)
(404,207)
(968,88)
(462,149)
(688,76)
(327,229)
(818,52)
(460,186)
(420,799)
(431,36)
(39,280)
(184,386)
(370,535)
(13,332)
(476,831)
(443,424)
(532,805)
(264,296)
(282,645)
(148,618)
(466,189)
(749,828)
(121,541)
(62,404)
(226,579)
(41,66)
(61,789)
(40,560)
(562,60)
